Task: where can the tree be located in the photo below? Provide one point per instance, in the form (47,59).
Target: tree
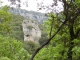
(16,27)
(5,18)
(30,46)
(44,36)
(69,24)
(10,48)
(70,17)
(22,55)
(4,58)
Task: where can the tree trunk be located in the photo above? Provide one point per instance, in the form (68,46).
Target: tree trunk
(72,37)
(70,53)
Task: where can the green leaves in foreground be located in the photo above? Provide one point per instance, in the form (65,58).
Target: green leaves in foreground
(12,49)
(5,18)
(50,53)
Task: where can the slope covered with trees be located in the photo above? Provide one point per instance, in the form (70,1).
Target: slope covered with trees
(63,31)
(10,48)
(39,17)
(11,29)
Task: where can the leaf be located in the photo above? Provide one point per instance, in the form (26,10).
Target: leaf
(77,2)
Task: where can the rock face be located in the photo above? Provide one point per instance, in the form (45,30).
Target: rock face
(31,31)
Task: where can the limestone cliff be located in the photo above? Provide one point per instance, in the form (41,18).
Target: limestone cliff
(31,30)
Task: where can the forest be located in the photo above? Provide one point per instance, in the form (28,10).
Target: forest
(60,39)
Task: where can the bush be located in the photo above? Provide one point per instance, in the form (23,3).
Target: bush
(4,58)
(22,55)
(30,46)
(12,49)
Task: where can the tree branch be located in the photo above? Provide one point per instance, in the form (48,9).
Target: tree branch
(65,7)
(77,13)
(45,43)
(51,27)
(63,22)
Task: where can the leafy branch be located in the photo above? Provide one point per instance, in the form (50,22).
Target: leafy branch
(45,43)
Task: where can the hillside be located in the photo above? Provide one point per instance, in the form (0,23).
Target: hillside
(39,17)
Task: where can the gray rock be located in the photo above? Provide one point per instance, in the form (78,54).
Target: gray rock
(31,31)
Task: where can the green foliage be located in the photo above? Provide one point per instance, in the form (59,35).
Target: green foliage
(4,58)
(59,47)
(10,24)
(12,49)
(44,55)
(22,55)
(77,2)
(30,46)
(43,34)
(5,18)
(60,44)
(76,52)
(50,53)
(9,46)
(76,49)
(53,23)
(16,27)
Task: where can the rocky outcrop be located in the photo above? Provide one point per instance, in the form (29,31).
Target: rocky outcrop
(31,30)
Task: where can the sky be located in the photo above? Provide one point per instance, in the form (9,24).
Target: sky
(32,5)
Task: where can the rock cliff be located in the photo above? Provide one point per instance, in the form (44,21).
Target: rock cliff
(31,30)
